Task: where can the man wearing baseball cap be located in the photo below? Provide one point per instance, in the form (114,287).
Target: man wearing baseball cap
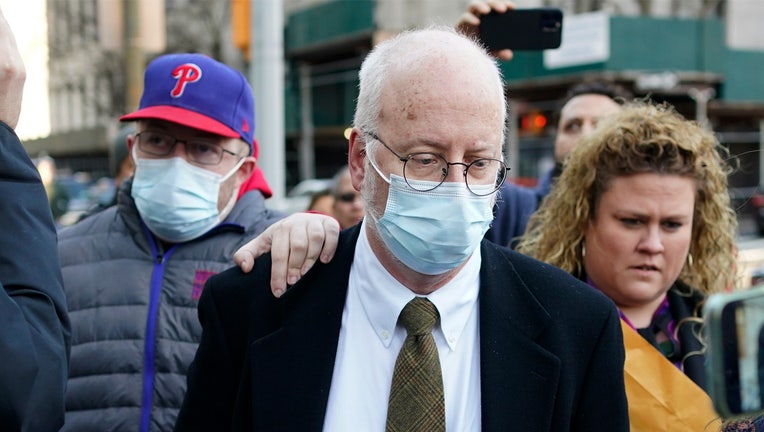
(134,272)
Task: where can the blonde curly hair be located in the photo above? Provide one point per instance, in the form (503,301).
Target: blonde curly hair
(642,138)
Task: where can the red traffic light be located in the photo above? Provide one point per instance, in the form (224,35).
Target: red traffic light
(533,122)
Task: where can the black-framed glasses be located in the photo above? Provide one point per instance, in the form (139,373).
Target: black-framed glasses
(199,150)
(483,176)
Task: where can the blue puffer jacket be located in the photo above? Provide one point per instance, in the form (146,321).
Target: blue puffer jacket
(132,305)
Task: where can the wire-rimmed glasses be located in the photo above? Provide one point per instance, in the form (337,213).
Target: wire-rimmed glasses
(433,168)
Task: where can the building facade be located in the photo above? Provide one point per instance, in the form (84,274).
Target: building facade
(703,56)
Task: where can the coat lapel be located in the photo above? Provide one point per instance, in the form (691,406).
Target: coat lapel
(296,362)
(519,377)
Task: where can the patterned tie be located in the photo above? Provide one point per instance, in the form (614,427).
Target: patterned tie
(416,394)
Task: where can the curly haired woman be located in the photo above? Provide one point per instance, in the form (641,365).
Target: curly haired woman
(642,213)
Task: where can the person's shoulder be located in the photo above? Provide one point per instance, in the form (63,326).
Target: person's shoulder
(521,262)
(512,194)
(234,288)
(102,221)
(8,135)
(548,283)
(251,212)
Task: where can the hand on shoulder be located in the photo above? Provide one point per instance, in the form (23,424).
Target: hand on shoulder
(295,243)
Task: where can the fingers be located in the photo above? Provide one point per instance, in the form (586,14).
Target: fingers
(468,24)
(501,6)
(295,243)
(298,251)
(245,256)
(505,54)
(469,21)
(478,8)
(244,259)
(332,234)
(283,247)
(311,237)
(316,235)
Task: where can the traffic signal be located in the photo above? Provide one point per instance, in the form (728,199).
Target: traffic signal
(240,25)
(533,122)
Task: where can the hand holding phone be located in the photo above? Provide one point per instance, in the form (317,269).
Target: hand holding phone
(522,29)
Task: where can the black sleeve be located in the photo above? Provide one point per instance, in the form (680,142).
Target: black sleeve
(34,326)
(216,381)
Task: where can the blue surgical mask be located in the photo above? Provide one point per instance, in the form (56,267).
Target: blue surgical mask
(436,231)
(178,201)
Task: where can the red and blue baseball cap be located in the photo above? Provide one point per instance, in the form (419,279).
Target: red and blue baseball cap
(199,92)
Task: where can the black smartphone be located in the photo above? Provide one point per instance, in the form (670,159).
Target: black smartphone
(522,29)
(735,359)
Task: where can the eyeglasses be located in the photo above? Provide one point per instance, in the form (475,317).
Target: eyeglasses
(347,197)
(431,167)
(201,151)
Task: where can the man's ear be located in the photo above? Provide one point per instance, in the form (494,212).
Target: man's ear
(130,140)
(245,170)
(357,158)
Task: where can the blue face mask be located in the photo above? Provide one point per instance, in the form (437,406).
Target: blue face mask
(178,201)
(436,231)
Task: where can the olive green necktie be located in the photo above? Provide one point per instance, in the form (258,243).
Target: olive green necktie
(416,394)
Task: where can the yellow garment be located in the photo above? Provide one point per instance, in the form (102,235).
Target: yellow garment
(661,397)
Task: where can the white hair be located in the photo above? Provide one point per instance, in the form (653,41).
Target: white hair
(407,51)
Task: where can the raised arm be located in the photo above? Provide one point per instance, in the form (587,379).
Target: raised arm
(34,328)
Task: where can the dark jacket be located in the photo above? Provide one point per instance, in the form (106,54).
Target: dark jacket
(34,327)
(133,309)
(551,356)
(546,182)
(514,206)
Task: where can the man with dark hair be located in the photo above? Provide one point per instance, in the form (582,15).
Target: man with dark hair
(583,106)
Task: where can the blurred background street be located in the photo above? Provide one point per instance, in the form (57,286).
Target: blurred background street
(85,60)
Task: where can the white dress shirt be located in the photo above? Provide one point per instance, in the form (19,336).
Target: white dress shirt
(370,340)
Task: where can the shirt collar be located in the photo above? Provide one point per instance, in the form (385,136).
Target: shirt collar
(383,297)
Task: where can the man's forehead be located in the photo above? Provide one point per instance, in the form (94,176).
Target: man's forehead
(435,114)
(589,105)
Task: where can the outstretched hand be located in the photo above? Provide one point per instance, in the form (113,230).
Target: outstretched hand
(12,76)
(295,243)
(469,22)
